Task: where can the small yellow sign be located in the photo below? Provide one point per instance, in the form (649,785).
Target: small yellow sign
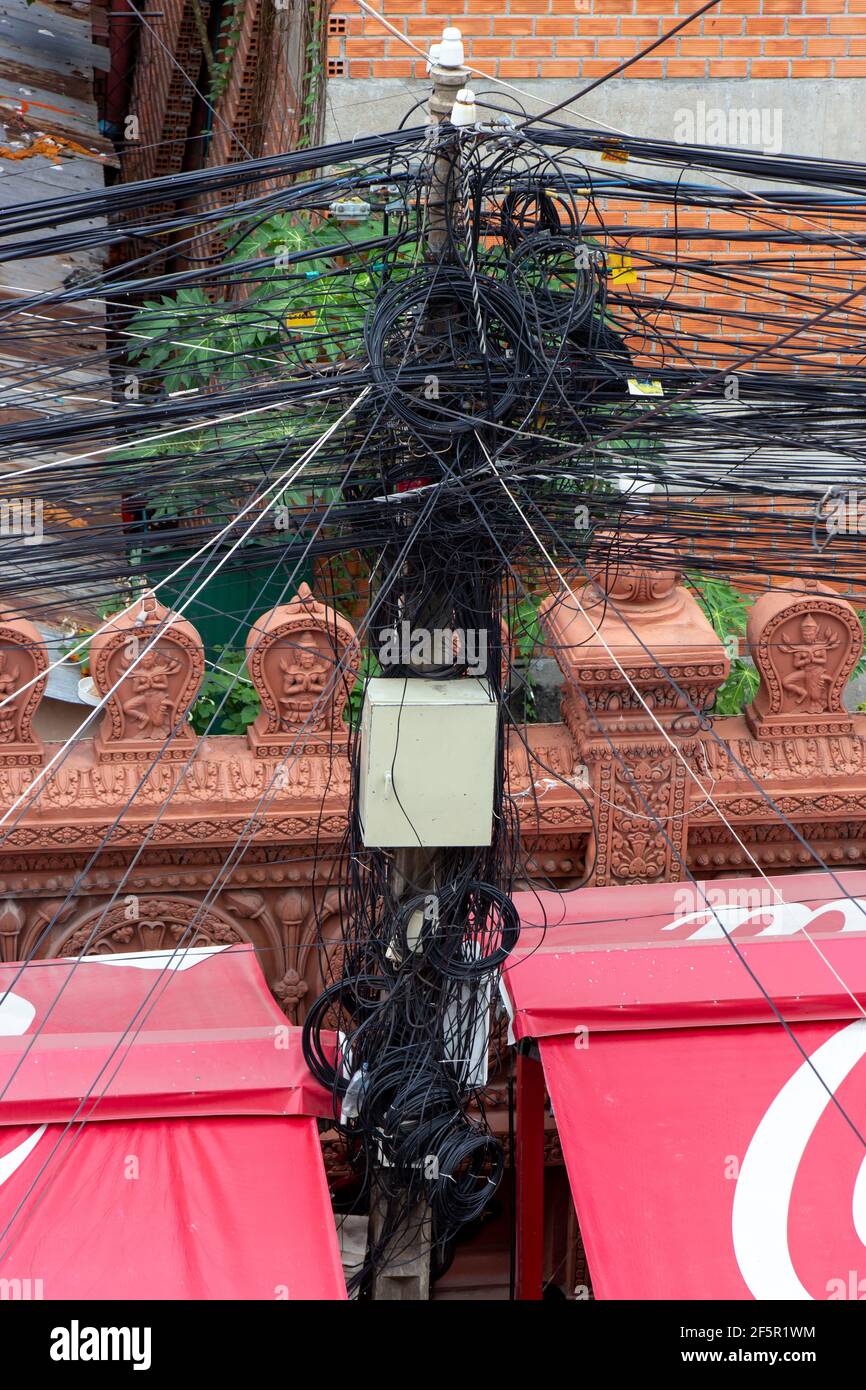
(615,154)
(303,320)
(644,388)
(620,269)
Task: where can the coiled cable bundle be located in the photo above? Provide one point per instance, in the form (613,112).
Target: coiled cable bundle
(425,357)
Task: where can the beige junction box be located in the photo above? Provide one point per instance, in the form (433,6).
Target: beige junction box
(428,753)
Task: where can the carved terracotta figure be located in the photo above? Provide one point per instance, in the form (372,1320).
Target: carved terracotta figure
(303,659)
(304,675)
(23,675)
(805,641)
(148,664)
(150,704)
(809,678)
(8,687)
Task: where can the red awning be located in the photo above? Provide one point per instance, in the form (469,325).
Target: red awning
(710,1155)
(197,1171)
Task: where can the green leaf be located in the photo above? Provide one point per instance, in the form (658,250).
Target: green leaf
(738,691)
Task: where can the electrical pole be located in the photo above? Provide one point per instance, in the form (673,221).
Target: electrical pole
(404,1274)
(447,82)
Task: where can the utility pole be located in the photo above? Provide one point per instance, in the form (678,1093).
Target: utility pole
(405,1273)
(447,82)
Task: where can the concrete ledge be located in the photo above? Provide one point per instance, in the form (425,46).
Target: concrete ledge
(820,117)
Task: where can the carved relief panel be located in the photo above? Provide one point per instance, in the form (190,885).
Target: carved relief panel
(805,642)
(641,829)
(148,924)
(23,662)
(149,663)
(303,660)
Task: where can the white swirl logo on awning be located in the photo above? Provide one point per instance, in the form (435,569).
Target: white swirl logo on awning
(16,1015)
(762,1200)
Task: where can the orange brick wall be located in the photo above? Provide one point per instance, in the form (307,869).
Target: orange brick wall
(586,38)
(719,277)
(717,281)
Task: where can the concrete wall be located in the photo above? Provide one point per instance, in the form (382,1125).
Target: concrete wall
(821,117)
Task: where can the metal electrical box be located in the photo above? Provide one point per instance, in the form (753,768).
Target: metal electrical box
(428,754)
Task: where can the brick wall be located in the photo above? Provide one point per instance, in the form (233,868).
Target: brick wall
(160,97)
(518,39)
(260,108)
(236,132)
(718,271)
(729,48)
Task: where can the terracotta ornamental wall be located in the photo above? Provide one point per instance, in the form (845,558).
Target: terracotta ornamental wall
(135,839)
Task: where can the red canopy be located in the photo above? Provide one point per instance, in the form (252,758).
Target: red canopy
(157,1137)
(710,1154)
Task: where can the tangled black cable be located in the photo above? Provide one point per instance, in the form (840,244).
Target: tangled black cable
(573,331)
(425,359)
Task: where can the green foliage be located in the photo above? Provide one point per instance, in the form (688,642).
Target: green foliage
(225,678)
(527,636)
(327,300)
(739,689)
(726,607)
(860,668)
(368,668)
(525,627)
(728,610)
(225,49)
(184,342)
(191,342)
(314,74)
(293,315)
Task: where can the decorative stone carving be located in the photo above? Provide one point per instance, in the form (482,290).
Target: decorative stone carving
(627,582)
(152,662)
(303,660)
(23,663)
(639,659)
(148,924)
(292,909)
(800,759)
(622,637)
(49,913)
(805,642)
(641,824)
(11,924)
(290,992)
(604,795)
